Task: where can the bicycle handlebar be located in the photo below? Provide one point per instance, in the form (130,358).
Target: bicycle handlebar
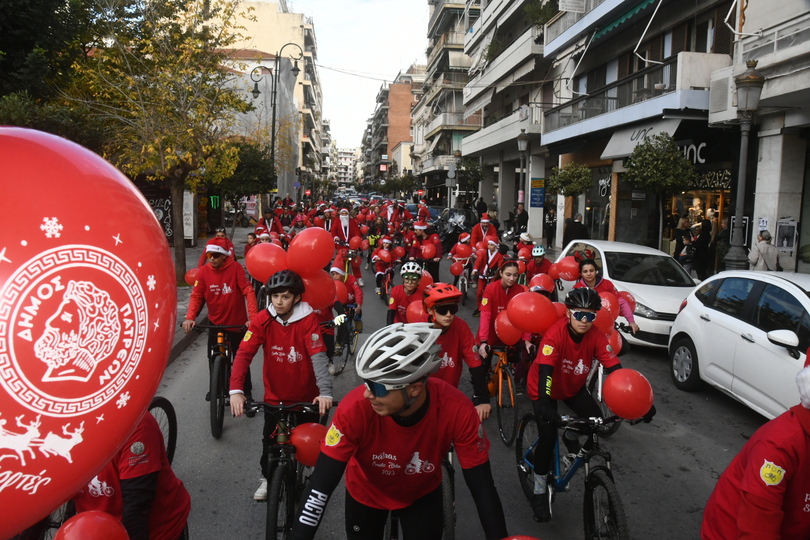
(304,406)
(219,327)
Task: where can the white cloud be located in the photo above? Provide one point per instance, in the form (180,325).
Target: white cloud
(376,38)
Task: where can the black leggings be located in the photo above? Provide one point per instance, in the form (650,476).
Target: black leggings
(234,339)
(422,520)
(583,406)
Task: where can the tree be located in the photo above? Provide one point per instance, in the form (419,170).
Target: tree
(657,165)
(158,79)
(469,177)
(539,12)
(253,174)
(570,180)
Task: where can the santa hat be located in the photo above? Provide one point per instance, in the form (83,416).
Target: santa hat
(493,242)
(340,271)
(464,237)
(218,245)
(344,212)
(423,202)
(803,382)
(387,239)
(484,218)
(420,226)
(525,237)
(264,236)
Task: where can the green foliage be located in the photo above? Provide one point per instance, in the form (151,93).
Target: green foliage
(253,174)
(659,166)
(494,48)
(469,175)
(570,180)
(539,12)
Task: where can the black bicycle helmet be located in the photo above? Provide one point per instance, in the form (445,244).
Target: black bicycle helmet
(583,298)
(285,279)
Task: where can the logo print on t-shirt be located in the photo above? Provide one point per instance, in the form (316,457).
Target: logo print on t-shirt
(771,473)
(447,361)
(418,466)
(226,289)
(97,488)
(293,356)
(581,368)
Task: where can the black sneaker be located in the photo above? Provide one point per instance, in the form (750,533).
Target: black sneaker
(476,313)
(541,506)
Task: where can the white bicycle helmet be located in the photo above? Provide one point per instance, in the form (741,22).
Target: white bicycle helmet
(410,268)
(399,354)
(538,251)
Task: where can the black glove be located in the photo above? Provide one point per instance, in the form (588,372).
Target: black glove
(649,416)
(550,415)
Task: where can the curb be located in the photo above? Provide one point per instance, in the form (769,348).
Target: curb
(184,342)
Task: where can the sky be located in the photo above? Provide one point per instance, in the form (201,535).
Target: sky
(372,38)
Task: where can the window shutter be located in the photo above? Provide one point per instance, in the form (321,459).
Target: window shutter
(680,39)
(723,38)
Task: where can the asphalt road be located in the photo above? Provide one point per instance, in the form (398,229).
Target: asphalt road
(665,471)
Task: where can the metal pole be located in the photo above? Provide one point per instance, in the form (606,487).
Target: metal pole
(273,126)
(736,258)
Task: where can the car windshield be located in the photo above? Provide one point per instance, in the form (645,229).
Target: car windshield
(646,269)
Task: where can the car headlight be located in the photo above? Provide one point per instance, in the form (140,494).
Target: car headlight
(644,311)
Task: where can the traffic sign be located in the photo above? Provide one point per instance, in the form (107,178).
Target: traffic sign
(420,192)
(308,192)
(297,185)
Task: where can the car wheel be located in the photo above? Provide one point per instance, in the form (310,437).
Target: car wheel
(684,365)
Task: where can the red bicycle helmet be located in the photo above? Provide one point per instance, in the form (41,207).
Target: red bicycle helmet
(440,293)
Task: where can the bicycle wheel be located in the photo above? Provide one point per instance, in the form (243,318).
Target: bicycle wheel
(462,286)
(280,503)
(507,406)
(448,503)
(47,528)
(163,411)
(527,435)
(354,337)
(262,298)
(218,395)
(604,513)
(342,354)
(607,430)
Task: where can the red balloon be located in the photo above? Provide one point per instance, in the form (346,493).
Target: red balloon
(481,253)
(428,251)
(604,322)
(307,439)
(318,221)
(384,255)
(425,280)
(341,292)
(628,393)
(568,268)
(319,289)
(92,525)
(629,298)
(615,340)
(68,402)
(562,311)
(542,280)
(277,242)
(481,245)
(273,235)
(364,230)
(456,268)
(531,312)
(364,245)
(416,312)
(507,332)
(310,250)
(521,267)
(554,271)
(521,537)
(610,304)
(264,260)
(191,276)
(525,253)
(463,251)
(354,242)
(399,252)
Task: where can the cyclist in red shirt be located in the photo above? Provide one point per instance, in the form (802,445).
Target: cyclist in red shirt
(355,292)
(496,296)
(220,233)
(457,342)
(380,266)
(483,230)
(295,362)
(390,436)
(539,264)
(764,494)
(592,280)
(486,269)
(402,295)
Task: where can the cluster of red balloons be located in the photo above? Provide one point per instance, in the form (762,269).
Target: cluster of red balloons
(526,312)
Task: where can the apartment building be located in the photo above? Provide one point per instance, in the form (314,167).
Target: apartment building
(328,152)
(345,166)
(439,119)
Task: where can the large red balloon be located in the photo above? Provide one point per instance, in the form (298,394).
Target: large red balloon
(310,250)
(568,268)
(354,242)
(92,525)
(481,245)
(341,292)
(610,304)
(428,251)
(463,251)
(318,221)
(629,298)
(628,393)
(542,280)
(456,268)
(364,245)
(399,252)
(319,290)
(416,312)
(384,255)
(191,276)
(88,311)
(507,332)
(264,260)
(561,310)
(364,229)
(615,340)
(531,312)
(554,271)
(525,253)
(604,321)
(307,439)
(425,280)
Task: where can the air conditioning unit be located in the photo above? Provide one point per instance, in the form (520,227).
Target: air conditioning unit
(722,97)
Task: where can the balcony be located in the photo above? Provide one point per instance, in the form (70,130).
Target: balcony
(516,61)
(503,131)
(680,83)
(496,13)
(440,12)
(449,80)
(453,121)
(439,163)
(450,40)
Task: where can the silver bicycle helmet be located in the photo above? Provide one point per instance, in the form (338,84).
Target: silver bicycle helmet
(410,268)
(538,251)
(399,354)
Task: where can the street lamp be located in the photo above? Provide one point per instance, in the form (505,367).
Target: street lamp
(276,76)
(523,144)
(749,88)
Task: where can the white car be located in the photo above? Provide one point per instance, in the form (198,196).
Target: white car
(745,333)
(658,283)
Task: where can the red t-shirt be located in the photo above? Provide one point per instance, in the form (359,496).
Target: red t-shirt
(494,301)
(288,373)
(533,268)
(572,361)
(457,346)
(774,465)
(224,290)
(399,302)
(390,466)
(143,453)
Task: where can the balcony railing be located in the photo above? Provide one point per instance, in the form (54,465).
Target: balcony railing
(451,120)
(567,20)
(790,34)
(441,5)
(447,40)
(646,84)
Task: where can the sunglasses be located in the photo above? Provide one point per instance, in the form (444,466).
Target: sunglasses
(412,279)
(584,316)
(380,389)
(215,255)
(220,229)
(446,308)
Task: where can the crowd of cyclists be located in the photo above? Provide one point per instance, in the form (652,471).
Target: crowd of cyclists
(389,435)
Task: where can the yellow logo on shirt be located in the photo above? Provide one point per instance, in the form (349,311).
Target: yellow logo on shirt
(547,350)
(390,301)
(247,336)
(771,473)
(484,302)
(333,436)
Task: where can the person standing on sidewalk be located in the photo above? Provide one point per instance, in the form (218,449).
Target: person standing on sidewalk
(551,227)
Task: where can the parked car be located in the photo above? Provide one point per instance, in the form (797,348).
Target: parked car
(435,211)
(745,333)
(658,283)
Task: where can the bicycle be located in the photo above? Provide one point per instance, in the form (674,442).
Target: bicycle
(289,476)
(221,357)
(346,338)
(463,280)
(594,383)
(387,284)
(163,411)
(603,510)
(262,298)
(501,380)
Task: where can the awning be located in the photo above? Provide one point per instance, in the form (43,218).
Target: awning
(516,75)
(623,19)
(434,143)
(624,141)
(478,103)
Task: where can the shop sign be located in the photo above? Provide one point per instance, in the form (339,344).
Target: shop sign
(537,195)
(713,180)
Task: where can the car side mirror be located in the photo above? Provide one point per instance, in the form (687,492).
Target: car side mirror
(787,339)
